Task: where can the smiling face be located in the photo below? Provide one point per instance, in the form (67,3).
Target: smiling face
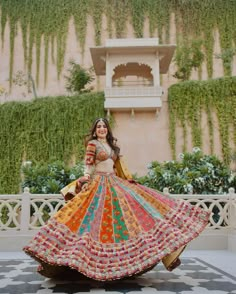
(101,130)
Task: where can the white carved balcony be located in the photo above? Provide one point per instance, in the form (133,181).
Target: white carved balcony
(137,98)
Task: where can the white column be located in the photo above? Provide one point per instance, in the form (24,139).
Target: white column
(232,209)
(25,211)
(108,71)
(156,71)
(232,220)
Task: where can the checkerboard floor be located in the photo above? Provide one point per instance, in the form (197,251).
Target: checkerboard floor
(195,275)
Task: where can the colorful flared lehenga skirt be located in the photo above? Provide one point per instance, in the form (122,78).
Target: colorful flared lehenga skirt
(114,230)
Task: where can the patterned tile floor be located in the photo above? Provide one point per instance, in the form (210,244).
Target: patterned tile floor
(201,272)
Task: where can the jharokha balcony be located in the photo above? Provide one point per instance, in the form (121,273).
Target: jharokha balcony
(132,69)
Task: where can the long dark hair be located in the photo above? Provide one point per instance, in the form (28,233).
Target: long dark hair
(111,140)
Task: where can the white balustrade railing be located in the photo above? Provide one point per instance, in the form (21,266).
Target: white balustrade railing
(222,207)
(26,212)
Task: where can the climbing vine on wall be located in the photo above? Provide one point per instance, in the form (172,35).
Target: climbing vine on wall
(189,100)
(44,24)
(158,13)
(42,130)
(80,21)
(188,57)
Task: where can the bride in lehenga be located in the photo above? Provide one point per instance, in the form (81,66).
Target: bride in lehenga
(111,227)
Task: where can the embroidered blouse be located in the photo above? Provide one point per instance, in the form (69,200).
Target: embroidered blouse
(99,157)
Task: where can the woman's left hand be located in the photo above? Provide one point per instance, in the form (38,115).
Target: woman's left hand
(85,187)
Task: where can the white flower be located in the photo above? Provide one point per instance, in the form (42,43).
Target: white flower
(213,174)
(196,149)
(188,188)
(72,177)
(181,156)
(186,170)
(62,171)
(200,179)
(166,176)
(151,173)
(231,178)
(44,189)
(149,165)
(209,165)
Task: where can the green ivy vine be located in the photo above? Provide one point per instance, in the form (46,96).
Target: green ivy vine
(188,56)
(44,26)
(80,21)
(137,10)
(159,19)
(120,17)
(189,100)
(42,130)
(97,9)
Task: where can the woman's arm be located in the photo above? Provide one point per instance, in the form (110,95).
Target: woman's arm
(90,159)
(76,186)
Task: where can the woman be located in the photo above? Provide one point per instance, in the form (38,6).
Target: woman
(110,227)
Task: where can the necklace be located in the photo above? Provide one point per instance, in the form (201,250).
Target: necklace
(102,140)
(108,151)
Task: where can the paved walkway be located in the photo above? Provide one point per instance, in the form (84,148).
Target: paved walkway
(201,272)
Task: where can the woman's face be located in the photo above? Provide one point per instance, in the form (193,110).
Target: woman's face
(101,130)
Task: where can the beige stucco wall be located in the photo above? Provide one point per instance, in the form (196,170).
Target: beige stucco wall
(142,138)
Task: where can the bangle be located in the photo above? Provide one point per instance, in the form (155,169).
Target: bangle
(81,181)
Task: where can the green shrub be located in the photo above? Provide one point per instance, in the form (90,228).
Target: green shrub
(79,78)
(194,173)
(45,178)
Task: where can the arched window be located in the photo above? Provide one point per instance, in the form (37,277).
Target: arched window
(132,74)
